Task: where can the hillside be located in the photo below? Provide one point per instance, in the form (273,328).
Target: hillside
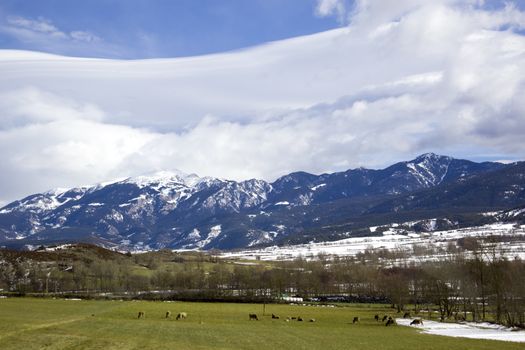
(177,210)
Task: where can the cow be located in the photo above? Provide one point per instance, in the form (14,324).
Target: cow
(300,319)
(312,320)
(356,320)
(181,316)
(254,317)
(376,317)
(275,317)
(384,318)
(168,314)
(416,321)
(142,314)
(406,315)
(390,322)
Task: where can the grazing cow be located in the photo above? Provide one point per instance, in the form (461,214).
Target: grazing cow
(384,318)
(390,322)
(300,319)
(294,318)
(168,314)
(141,314)
(416,322)
(254,317)
(275,317)
(376,317)
(406,315)
(312,320)
(356,320)
(181,316)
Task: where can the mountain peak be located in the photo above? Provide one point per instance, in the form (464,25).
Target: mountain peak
(430,156)
(164,177)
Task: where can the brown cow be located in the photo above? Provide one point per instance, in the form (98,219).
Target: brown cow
(416,321)
(384,318)
(254,317)
(390,322)
(376,317)
(356,320)
(168,314)
(275,317)
(142,314)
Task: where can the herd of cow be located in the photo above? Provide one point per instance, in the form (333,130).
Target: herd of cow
(390,321)
(180,315)
(253,317)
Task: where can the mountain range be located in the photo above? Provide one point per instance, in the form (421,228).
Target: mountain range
(184,211)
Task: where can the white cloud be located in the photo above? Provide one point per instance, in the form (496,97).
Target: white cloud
(81,35)
(42,34)
(424,76)
(42,28)
(41,25)
(338,8)
(31,105)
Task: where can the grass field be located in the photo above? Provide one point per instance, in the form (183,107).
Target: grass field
(27,323)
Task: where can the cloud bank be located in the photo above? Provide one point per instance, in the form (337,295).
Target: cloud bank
(442,76)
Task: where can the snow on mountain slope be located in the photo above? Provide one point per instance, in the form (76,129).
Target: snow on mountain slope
(174,209)
(400,240)
(429,169)
(138,209)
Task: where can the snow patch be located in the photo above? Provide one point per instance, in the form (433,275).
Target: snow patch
(215,231)
(391,240)
(315,188)
(469,330)
(194,235)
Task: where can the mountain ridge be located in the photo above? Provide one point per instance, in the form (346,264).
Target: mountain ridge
(178,210)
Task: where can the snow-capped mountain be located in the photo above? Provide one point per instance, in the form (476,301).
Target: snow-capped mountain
(177,210)
(426,171)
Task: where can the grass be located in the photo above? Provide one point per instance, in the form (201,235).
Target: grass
(27,323)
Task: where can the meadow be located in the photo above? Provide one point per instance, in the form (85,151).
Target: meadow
(30,323)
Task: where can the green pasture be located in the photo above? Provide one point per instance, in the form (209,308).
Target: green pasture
(27,323)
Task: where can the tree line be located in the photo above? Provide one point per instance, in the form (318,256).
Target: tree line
(471,281)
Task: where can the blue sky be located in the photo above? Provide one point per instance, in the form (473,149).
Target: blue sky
(134,29)
(162,28)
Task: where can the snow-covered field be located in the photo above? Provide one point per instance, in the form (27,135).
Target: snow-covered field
(394,240)
(469,330)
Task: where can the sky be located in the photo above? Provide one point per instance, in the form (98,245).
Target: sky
(133,29)
(96,90)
